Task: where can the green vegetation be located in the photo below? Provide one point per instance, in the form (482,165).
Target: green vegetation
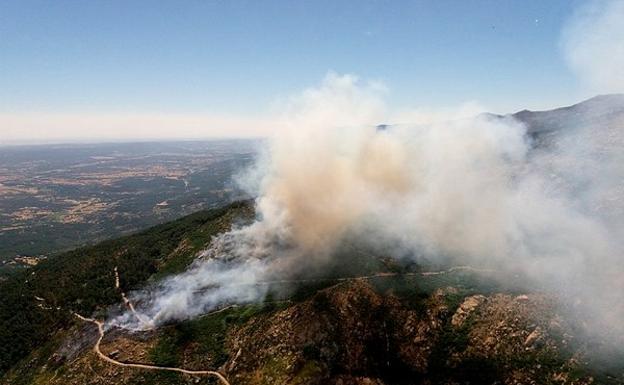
(310,371)
(165,352)
(207,335)
(32,330)
(82,280)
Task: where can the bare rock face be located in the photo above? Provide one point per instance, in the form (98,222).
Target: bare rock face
(341,329)
(465,309)
(507,327)
(354,333)
(350,334)
(534,337)
(417,334)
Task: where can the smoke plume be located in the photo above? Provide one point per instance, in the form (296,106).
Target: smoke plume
(469,190)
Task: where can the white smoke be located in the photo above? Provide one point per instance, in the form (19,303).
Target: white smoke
(470,190)
(594,45)
(211,282)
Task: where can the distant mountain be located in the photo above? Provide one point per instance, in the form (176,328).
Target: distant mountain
(606,111)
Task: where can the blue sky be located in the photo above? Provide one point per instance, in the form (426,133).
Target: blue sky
(235,57)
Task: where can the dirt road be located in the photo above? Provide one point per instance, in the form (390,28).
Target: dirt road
(128,303)
(106,358)
(130,306)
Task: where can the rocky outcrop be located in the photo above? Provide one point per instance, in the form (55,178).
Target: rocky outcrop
(355,333)
(351,334)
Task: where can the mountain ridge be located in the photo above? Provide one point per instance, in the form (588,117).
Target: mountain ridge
(366,320)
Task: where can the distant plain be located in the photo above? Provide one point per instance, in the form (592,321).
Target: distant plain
(57,197)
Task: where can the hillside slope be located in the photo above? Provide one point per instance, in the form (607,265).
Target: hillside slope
(362,319)
(385,330)
(35,303)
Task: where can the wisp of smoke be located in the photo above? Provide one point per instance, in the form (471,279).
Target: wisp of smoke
(593,45)
(210,282)
(472,190)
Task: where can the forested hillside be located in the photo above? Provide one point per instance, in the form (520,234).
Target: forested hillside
(35,303)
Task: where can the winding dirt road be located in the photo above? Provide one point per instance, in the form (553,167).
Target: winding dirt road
(128,303)
(106,358)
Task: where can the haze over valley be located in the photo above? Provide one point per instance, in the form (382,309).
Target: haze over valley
(324,193)
(57,197)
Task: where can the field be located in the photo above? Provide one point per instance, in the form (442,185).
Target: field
(56,197)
